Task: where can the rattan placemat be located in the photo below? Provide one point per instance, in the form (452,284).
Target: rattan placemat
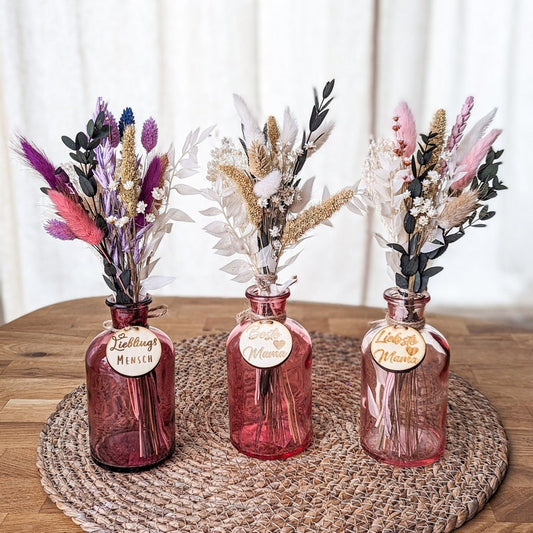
(207,486)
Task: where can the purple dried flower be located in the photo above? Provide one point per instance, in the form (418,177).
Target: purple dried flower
(460,123)
(114,135)
(149,135)
(150,181)
(37,160)
(59,230)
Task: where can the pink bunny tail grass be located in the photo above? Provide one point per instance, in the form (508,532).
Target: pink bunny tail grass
(76,218)
(405,127)
(37,160)
(474,158)
(59,230)
(149,135)
(460,123)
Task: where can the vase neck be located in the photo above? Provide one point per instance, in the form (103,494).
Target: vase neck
(267,306)
(126,315)
(406,308)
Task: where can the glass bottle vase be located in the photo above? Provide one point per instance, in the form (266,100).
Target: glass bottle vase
(269,365)
(130,391)
(404,384)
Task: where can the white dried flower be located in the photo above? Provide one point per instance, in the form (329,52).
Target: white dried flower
(158,193)
(111,219)
(128,185)
(423,221)
(141,207)
(275,231)
(150,217)
(122,221)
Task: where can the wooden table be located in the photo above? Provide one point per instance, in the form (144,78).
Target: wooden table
(42,359)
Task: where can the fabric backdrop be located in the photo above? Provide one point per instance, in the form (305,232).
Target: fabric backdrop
(180,61)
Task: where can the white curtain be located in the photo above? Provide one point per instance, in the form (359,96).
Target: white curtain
(180,61)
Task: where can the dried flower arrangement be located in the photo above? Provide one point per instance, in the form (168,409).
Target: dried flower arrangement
(260,197)
(427,196)
(115,199)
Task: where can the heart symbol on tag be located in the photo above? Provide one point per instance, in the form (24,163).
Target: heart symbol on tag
(279,344)
(411,350)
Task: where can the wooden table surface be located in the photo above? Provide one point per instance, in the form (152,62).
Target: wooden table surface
(42,359)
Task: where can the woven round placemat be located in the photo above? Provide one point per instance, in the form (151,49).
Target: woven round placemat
(207,486)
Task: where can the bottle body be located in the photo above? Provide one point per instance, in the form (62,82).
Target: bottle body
(403,410)
(269,407)
(131,417)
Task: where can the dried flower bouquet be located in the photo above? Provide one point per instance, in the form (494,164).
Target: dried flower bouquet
(428,192)
(264,211)
(118,201)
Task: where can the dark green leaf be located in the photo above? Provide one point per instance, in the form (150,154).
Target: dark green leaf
(82,140)
(109,268)
(453,237)
(328,88)
(418,283)
(68,142)
(479,225)
(125,277)
(45,190)
(428,273)
(401,282)
(88,186)
(318,120)
(415,188)
(397,247)
(79,172)
(100,119)
(409,223)
(78,157)
(109,283)
(90,128)
(102,224)
(410,266)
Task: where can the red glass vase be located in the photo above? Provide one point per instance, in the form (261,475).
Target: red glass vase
(130,391)
(404,385)
(269,360)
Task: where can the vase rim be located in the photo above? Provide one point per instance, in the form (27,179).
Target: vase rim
(398,294)
(146,300)
(253,292)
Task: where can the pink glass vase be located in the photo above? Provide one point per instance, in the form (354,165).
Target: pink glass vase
(269,360)
(404,385)
(130,391)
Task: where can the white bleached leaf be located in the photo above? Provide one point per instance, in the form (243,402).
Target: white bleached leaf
(289,261)
(381,240)
(178,215)
(236,267)
(182,188)
(305,196)
(186,173)
(265,258)
(156,282)
(216,228)
(244,277)
(211,212)
(205,134)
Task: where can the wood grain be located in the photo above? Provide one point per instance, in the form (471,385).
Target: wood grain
(42,359)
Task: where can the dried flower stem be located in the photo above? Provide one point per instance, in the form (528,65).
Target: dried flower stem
(313,216)
(246,188)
